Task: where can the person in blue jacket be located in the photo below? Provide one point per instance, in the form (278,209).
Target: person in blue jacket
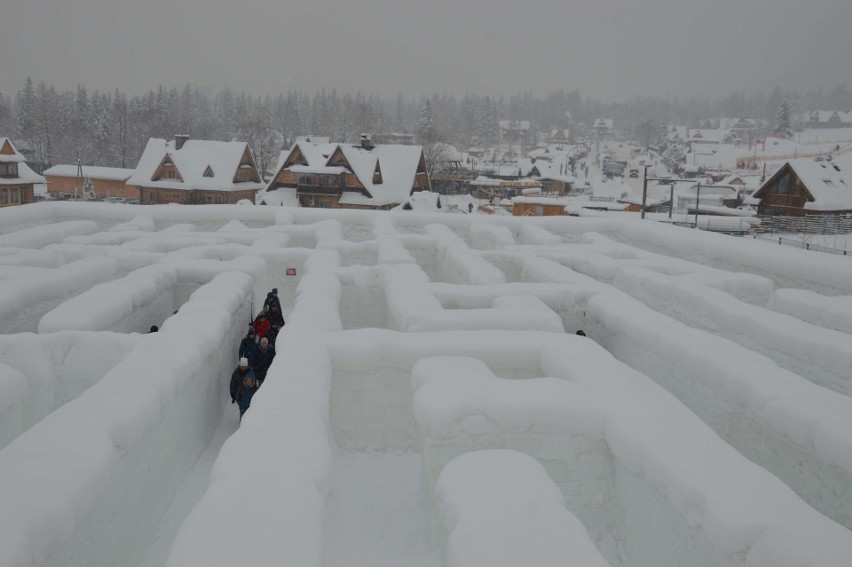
(245,392)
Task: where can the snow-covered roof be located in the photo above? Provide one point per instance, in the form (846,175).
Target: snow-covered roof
(708,136)
(614,188)
(828,182)
(749,182)
(422,201)
(714,156)
(281,197)
(397,163)
(823,116)
(8,152)
(25,176)
(90,171)
(191,161)
(555,171)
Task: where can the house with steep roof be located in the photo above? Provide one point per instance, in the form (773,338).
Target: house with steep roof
(16,177)
(806,187)
(826,119)
(196,172)
(363,176)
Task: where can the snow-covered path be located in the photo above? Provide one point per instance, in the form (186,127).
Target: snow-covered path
(191,489)
(376,517)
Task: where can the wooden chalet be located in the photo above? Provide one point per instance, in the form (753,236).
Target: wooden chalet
(16,177)
(826,119)
(196,172)
(364,176)
(64,181)
(806,187)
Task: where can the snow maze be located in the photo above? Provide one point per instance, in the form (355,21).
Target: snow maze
(430,403)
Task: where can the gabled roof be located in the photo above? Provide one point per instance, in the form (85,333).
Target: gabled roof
(398,165)
(829,183)
(8,152)
(191,160)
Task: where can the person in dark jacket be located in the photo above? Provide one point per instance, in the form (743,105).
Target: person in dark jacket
(276,319)
(263,360)
(245,392)
(248,346)
(237,376)
(272,299)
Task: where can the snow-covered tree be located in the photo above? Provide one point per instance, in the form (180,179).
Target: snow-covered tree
(25,110)
(783,127)
(488,124)
(426,124)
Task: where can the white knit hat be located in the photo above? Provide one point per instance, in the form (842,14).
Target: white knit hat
(243,361)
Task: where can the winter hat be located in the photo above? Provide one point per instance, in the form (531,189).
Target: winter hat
(264,341)
(243,361)
(251,331)
(274,291)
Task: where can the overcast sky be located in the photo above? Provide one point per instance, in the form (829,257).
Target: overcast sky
(611,49)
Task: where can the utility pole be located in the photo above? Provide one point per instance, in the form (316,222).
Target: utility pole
(644,189)
(671,199)
(697,200)
(79,177)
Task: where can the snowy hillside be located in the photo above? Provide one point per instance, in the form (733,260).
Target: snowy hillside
(429,403)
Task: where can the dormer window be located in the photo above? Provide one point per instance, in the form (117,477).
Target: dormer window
(208,172)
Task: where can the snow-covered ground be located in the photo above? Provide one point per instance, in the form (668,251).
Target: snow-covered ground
(430,402)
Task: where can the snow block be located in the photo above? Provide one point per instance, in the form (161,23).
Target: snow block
(500,508)
(94,477)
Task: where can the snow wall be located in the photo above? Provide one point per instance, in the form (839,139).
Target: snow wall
(118,450)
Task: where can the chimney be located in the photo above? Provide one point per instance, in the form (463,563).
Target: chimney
(366,143)
(179,140)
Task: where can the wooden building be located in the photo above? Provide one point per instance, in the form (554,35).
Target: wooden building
(538,207)
(806,187)
(63,181)
(364,176)
(196,172)
(16,177)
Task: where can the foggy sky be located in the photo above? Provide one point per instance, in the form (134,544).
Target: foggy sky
(612,49)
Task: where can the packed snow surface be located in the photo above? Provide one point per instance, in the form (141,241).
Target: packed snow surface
(429,402)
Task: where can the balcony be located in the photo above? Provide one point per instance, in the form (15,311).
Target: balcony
(305,189)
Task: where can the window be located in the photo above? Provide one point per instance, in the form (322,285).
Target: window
(14,195)
(3,196)
(783,185)
(9,169)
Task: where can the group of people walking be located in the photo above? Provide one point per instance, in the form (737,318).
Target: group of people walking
(257,350)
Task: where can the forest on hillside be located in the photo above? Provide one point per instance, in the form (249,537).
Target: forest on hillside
(111,128)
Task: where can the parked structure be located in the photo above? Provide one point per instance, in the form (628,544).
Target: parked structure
(807,187)
(364,176)
(196,172)
(64,181)
(16,177)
